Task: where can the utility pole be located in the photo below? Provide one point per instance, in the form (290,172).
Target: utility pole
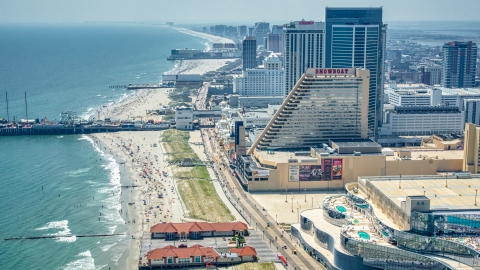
(6,98)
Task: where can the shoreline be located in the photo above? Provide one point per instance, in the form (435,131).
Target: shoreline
(134,106)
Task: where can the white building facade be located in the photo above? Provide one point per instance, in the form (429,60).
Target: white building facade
(303,47)
(266,81)
(423,121)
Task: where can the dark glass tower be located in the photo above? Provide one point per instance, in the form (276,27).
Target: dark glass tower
(355,37)
(249,53)
(459,64)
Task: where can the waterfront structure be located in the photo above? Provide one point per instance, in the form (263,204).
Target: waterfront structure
(325,104)
(264,81)
(422,121)
(195,230)
(249,52)
(303,48)
(356,37)
(459,64)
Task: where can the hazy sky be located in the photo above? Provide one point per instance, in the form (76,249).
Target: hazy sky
(224,11)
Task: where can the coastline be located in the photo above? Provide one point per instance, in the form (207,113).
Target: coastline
(134,106)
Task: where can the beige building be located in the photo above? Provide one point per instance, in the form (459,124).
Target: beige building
(471,152)
(339,163)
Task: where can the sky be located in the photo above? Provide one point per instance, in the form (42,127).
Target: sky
(224,11)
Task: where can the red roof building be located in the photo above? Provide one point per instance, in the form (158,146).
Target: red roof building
(197,255)
(195,230)
(173,256)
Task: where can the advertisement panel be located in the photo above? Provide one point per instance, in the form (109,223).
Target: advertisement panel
(293,174)
(337,169)
(261,173)
(327,169)
(310,173)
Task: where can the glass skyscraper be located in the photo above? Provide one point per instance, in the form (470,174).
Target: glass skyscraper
(355,37)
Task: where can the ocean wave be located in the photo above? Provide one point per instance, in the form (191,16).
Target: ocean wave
(76,173)
(59,137)
(63,228)
(86,262)
(60,225)
(107,247)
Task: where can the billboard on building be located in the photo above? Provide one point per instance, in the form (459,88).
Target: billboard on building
(261,173)
(331,169)
(310,173)
(327,169)
(337,169)
(293,173)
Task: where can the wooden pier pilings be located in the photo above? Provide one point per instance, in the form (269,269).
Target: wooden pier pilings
(59,236)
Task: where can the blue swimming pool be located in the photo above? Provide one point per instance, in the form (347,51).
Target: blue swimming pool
(341,208)
(364,235)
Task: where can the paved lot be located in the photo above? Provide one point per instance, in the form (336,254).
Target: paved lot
(281,211)
(254,240)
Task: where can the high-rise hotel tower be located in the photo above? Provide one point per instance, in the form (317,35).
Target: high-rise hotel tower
(304,43)
(325,104)
(459,64)
(355,37)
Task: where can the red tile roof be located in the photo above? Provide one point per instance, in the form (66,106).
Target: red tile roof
(171,251)
(198,227)
(245,251)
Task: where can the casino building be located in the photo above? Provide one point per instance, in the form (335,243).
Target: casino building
(317,140)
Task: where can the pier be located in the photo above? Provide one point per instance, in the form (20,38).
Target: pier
(59,236)
(60,131)
(139,86)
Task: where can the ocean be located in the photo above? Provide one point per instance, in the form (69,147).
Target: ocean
(57,185)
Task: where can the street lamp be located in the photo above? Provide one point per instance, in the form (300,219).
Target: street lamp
(276,219)
(298,215)
(476,190)
(305,194)
(446,181)
(400,182)
(286,196)
(292,204)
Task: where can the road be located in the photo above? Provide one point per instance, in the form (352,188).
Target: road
(257,218)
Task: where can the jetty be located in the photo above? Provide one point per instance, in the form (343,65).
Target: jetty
(60,236)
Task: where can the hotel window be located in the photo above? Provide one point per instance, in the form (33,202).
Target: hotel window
(198,259)
(170,260)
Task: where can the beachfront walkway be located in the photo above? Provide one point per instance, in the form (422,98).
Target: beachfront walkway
(247,205)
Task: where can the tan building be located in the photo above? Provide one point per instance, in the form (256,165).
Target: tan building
(340,162)
(471,152)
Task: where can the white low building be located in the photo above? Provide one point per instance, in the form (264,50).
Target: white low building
(267,80)
(422,120)
(184,117)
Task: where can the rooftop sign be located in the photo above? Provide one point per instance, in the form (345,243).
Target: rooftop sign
(330,71)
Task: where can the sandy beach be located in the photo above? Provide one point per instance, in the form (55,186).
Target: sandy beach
(212,38)
(144,170)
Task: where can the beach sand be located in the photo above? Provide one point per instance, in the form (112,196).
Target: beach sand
(142,164)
